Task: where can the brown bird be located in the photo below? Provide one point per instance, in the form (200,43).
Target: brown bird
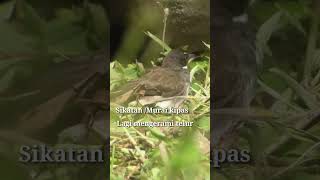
(164,86)
(234,70)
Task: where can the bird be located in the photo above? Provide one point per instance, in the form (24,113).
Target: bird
(164,86)
(234,71)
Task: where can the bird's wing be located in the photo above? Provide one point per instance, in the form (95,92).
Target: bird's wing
(164,82)
(124,94)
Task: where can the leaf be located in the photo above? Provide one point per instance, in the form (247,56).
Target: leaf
(206,44)
(204,123)
(159,41)
(277,96)
(283,109)
(298,161)
(295,22)
(316,67)
(269,27)
(265,32)
(113,115)
(74,134)
(293,12)
(157,133)
(308,98)
(100,126)
(45,114)
(186,158)
(301,121)
(193,71)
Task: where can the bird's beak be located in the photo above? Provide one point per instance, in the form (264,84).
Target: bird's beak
(189,58)
(192,57)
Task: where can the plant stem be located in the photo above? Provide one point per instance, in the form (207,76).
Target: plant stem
(165,18)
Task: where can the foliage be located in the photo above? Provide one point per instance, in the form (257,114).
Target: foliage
(283,132)
(30,43)
(30,47)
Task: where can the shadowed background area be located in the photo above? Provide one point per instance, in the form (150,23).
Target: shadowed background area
(265,94)
(53,83)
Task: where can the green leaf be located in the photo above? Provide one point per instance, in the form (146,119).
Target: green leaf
(265,32)
(308,98)
(204,123)
(293,20)
(277,96)
(206,44)
(299,161)
(157,133)
(159,41)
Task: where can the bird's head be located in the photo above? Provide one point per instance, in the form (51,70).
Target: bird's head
(176,59)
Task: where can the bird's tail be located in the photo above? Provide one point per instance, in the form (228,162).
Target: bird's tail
(124,94)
